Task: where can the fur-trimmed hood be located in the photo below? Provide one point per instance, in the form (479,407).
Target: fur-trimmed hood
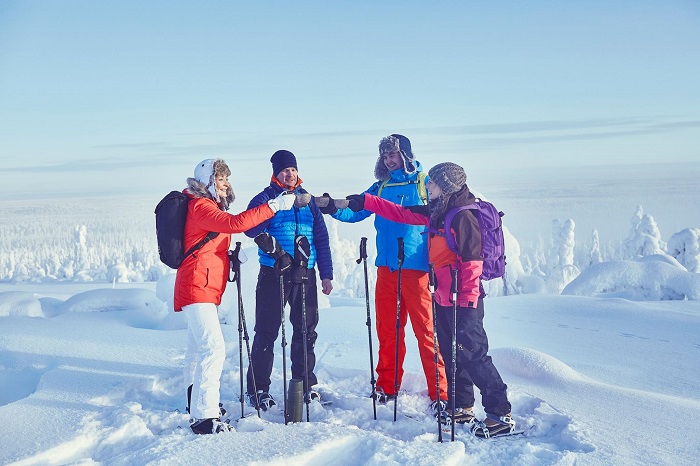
(198,189)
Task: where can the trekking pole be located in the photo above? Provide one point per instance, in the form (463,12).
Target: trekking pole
(304,333)
(454,346)
(301,259)
(398,325)
(284,352)
(236,258)
(373,381)
(431,285)
(236,269)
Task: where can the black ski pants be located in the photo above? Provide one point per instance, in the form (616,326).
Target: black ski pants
(268,319)
(474,365)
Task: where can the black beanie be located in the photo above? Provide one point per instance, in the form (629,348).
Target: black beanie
(282,159)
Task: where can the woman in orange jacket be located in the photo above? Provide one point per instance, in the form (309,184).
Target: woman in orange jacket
(201,281)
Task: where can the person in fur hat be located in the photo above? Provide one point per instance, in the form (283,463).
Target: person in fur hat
(201,280)
(448,189)
(400,180)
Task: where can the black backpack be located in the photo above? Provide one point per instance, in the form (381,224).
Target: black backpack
(171,214)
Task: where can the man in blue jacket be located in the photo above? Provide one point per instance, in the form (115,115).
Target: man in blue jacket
(400,179)
(304,221)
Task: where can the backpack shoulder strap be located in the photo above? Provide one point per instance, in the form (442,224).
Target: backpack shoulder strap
(422,191)
(420,186)
(210,236)
(381,186)
(449,237)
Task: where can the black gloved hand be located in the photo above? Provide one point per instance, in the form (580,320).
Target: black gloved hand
(269,245)
(302,252)
(283,263)
(420,209)
(330,209)
(357,202)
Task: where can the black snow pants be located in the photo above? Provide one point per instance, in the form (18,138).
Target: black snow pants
(268,319)
(474,365)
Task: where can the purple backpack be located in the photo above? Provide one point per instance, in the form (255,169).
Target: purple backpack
(492,243)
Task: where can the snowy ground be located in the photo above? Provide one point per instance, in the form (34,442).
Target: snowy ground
(606,373)
(90,376)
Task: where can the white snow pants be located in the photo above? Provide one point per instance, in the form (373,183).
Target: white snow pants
(204,358)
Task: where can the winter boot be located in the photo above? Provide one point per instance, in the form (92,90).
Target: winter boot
(209,426)
(439,410)
(462,415)
(493,426)
(381,397)
(265,400)
(312,395)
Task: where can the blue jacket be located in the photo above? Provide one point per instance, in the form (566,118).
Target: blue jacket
(286,224)
(415,241)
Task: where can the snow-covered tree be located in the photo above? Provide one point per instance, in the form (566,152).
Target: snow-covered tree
(81,252)
(685,247)
(594,255)
(561,268)
(644,238)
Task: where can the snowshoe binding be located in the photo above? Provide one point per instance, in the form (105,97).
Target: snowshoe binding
(462,415)
(381,397)
(312,395)
(210,426)
(264,400)
(493,426)
(439,410)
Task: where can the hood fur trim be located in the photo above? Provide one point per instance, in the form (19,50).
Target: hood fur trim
(198,189)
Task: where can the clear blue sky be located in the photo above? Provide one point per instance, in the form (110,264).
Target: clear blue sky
(88,86)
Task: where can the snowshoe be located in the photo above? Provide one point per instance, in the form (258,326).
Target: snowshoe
(381,397)
(462,415)
(210,426)
(493,426)
(264,400)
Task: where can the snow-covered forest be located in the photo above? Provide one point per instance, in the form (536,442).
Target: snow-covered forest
(94,242)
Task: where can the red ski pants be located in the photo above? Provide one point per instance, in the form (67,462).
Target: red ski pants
(416,304)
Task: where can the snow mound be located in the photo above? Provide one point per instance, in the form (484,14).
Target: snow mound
(534,365)
(646,280)
(136,307)
(20,303)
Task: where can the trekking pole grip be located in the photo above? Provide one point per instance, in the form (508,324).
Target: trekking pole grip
(431,276)
(454,281)
(363,249)
(234,262)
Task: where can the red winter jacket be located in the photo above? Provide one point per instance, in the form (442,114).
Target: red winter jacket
(202,276)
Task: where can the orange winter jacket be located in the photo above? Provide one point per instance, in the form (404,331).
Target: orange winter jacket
(202,276)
